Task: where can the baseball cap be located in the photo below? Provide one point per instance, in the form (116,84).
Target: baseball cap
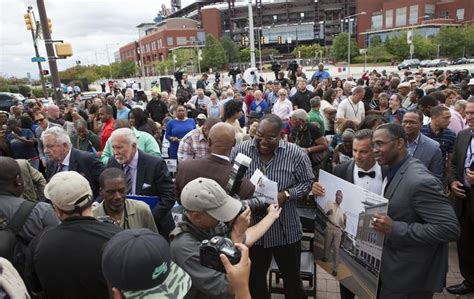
(69,191)
(138,262)
(201,116)
(206,195)
(471,82)
(404,84)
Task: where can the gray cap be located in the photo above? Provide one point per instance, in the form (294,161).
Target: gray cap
(69,191)
(206,195)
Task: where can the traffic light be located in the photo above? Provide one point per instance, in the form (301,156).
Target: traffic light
(63,49)
(30,22)
(242,41)
(50,25)
(262,40)
(45,72)
(280,40)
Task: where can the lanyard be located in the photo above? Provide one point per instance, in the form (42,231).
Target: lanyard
(353,109)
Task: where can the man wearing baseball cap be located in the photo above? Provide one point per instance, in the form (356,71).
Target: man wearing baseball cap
(66,259)
(207,209)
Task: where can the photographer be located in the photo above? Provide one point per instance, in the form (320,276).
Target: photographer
(207,208)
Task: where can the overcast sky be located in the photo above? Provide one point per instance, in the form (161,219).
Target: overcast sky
(89,25)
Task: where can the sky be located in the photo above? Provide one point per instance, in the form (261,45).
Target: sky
(89,25)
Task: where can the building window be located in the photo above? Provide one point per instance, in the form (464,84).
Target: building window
(401,18)
(444,15)
(377,21)
(413,14)
(169,41)
(429,11)
(180,40)
(389,18)
(460,14)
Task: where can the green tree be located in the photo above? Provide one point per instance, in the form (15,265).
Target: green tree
(231,49)
(339,47)
(424,48)
(213,54)
(185,56)
(308,51)
(454,41)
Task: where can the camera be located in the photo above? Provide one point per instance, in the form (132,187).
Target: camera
(178,76)
(217,76)
(276,67)
(257,206)
(210,250)
(293,66)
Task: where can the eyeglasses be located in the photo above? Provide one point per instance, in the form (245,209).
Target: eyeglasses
(40,120)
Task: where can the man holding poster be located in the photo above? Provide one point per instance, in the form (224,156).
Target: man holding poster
(419,224)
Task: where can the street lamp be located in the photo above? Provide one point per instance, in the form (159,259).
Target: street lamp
(107,49)
(349,39)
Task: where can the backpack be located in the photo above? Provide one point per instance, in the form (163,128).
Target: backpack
(9,239)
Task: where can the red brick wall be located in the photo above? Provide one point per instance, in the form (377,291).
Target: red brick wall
(211,22)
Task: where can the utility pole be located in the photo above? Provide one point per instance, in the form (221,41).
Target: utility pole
(53,67)
(252,38)
(34,35)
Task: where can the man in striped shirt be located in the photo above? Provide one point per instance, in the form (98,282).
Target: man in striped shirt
(289,166)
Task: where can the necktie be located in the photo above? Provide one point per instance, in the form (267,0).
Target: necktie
(363,174)
(128,175)
(60,168)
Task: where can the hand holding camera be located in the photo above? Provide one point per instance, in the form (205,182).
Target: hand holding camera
(238,274)
(240,225)
(274,211)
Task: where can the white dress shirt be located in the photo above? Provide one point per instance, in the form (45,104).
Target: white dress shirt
(371,184)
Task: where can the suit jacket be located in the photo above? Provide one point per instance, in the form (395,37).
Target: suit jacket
(429,153)
(153,179)
(456,171)
(415,254)
(85,163)
(211,167)
(345,171)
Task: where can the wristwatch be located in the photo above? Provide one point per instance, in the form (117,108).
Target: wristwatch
(287,195)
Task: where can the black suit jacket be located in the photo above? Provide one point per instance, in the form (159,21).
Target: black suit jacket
(456,171)
(211,167)
(345,171)
(153,179)
(85,163)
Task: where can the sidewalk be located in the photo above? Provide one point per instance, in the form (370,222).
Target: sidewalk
(328,287)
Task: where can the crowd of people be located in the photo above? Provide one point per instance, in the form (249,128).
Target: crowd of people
(90,188)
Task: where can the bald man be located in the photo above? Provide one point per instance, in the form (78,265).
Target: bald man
(39,215)
(216,165)
(54,114)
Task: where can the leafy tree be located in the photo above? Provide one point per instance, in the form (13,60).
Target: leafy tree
(339,47)
(184,56)
(231,49)
(398,46)
(267,51)
(454,41)
(308,51)
(213,54)
(24,89)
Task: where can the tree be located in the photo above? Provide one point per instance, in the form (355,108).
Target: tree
(231,49)
(213,54)
(398,46)
(456,41)
(308,51)
(339,47)
(185,56)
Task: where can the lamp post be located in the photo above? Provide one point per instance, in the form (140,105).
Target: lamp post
(349,39)
(107,49)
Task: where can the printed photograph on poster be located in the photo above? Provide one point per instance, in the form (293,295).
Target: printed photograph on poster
(347,245)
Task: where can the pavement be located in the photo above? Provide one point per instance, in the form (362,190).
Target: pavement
(328,287)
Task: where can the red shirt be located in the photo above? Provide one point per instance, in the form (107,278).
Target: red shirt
(107,130)
(248,99)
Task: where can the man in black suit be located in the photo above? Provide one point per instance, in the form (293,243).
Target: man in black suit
(146,175)
(63,157)
(461,178)
(363,171)
(214,166)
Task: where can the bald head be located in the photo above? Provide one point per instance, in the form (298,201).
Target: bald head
(121,123)
(221,139)
(10,176)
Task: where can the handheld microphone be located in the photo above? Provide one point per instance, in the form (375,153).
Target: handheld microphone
(239,168)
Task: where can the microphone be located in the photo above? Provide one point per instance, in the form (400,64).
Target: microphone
(239,168)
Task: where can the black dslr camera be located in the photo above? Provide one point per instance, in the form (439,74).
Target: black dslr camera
(257,206)
(210,250)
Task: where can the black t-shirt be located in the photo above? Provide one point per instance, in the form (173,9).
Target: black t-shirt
(157,110)
(68,258)
(301,99)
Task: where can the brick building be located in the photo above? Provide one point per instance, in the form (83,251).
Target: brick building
(384,18)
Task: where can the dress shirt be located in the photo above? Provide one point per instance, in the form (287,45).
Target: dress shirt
(194,145)
(65,162)
(351,111)
(469,160)
(291,169)
(222,157)
(412,146)
(133,169)
(371,184)
(283,109)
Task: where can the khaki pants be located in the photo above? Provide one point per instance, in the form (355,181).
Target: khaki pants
(332,241)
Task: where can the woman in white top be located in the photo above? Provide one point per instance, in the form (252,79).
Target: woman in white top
(232,114)
(283,107)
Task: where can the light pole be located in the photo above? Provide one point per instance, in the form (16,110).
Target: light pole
(141,59)
(107,49)
(251,35)
(437,52)
(349,39)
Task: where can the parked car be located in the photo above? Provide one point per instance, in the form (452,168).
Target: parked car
(424,63)
(408,64)
(437,63)
(461,60)
(7,100)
